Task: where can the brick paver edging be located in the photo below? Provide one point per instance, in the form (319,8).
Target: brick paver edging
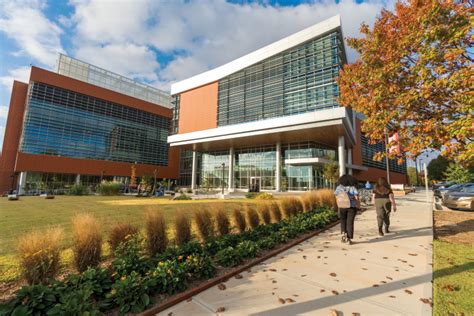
(194,291)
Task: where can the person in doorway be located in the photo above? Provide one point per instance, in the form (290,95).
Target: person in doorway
(347,184)
(384,203)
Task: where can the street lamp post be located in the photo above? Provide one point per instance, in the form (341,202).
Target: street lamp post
(223,171)
(386,156)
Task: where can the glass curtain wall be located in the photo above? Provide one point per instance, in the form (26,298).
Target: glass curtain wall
(256,162)
(368,152)
(212,174)
(299,80)
(60,122)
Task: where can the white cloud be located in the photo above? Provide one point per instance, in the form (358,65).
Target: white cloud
(134,61)
(36,36)
(207,34)
(20,74)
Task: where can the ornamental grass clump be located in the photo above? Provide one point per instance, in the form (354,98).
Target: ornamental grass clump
(204,224)
(251,217)
(327,198)
(156,232)
(120,233)
(222,221)
(288,206)
(239,220)
(264,212)
(298,205)
(39,255)
(87,241)
(274,211)
(182,227)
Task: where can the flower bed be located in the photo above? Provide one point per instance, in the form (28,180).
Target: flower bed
(135,280)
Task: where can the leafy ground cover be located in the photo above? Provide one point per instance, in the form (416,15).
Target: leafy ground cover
(134,280)
(453,273)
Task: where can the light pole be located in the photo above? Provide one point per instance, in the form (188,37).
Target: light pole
(386,155)
(223,168)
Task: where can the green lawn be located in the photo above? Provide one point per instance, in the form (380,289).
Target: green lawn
(34,212)
(453,276)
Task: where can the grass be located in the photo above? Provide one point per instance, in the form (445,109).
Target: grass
(453,274)
(35,213)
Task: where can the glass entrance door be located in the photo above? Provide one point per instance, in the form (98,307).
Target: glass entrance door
(254,184)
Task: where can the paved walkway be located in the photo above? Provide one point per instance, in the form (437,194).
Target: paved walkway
(375,276)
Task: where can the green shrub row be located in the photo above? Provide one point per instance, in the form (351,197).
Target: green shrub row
(135,277)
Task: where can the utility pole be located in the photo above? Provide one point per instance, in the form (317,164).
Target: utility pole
(425,169)
(386,155)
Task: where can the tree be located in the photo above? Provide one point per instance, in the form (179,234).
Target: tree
(133,176)
(437,167)
(411,171)
(331,171)
(458,174)
(414,76)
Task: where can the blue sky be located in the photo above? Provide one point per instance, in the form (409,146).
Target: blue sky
(155,42)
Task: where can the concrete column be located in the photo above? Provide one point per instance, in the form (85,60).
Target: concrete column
(278,168)
(22,183)
(342,160)
(349,160)
(78,179)
(193,173)
(231,169)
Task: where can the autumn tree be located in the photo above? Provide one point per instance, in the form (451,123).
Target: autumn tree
(415,76)
(437,167)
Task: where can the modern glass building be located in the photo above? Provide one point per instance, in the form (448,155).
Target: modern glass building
(84,125)
(270,119)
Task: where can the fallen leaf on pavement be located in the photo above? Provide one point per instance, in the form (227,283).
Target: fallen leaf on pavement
(413,254)
(332,274)
(282,301)
(335,292)
(221,287)
(289,300)
(392,296)
(389,278)
(322,290)
(375,285)
(408,291)
(220,310)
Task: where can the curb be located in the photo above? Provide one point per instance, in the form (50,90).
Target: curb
(212,282)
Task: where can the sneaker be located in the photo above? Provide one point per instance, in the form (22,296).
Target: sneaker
(344,237)
(349,242)
(380,231)
(386,230)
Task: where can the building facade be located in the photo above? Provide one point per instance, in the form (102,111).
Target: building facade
(270,119)
(84,124)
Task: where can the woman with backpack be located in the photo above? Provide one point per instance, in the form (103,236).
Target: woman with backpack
(347,198)
(384,201)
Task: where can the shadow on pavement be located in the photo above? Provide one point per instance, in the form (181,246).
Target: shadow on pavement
(330,301)
(395,235)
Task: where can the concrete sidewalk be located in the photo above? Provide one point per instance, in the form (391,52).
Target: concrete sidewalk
(376,276)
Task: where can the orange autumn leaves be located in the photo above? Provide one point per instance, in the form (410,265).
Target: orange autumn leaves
(415,76)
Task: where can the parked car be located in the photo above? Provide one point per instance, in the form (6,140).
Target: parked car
(461,200)
(440,192)
(443,185)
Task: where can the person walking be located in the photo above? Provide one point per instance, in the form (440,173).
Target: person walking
(384,203)
(347,198)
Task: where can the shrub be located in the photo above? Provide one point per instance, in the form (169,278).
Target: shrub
(266,243)
(239,221)
(275,211)
(119,233)
(78,189)
(39,255)
(327,198)
(288,206)
(251,217)
(264,213)
(31,300)
(222,222)
(130,293)
(228,257)
(204,224)
(183,197)
(251,195)
(129,256)
(182,226)
(109,188)
(87,241)
(264,196)
(156,232)
(169,277)
(247,249)
(200,266)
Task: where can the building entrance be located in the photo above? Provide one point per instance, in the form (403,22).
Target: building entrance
(254,184)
